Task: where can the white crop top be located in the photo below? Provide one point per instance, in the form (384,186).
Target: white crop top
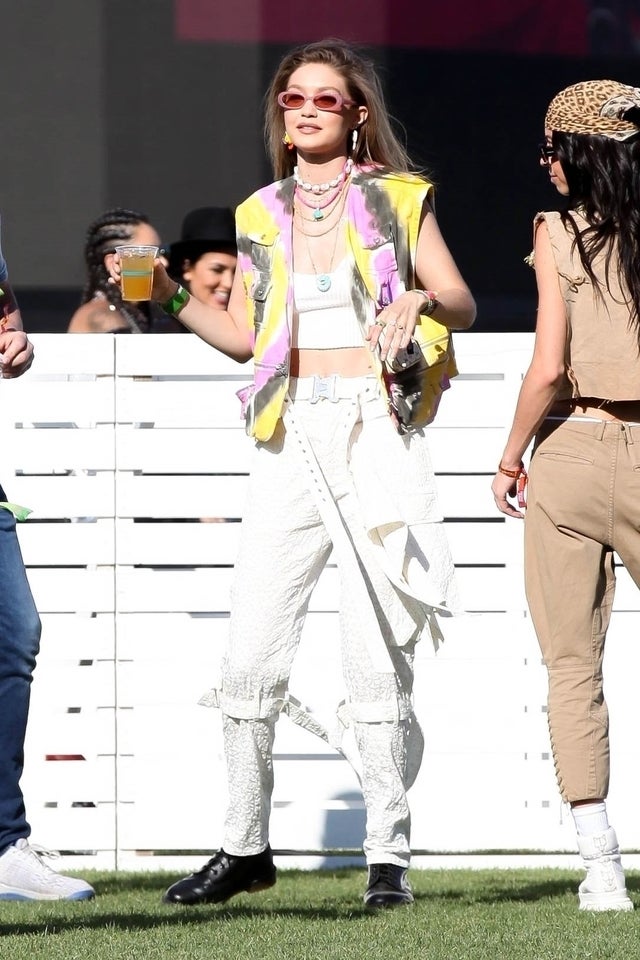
(324,320)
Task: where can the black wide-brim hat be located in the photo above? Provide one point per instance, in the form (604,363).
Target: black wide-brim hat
(204,230)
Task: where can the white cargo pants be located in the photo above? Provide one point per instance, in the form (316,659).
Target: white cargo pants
(284,548)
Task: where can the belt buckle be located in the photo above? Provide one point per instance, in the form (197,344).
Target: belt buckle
(325,388)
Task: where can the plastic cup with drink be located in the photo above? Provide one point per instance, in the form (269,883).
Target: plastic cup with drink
(136,270)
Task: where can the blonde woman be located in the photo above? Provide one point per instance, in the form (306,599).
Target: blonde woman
(338,261)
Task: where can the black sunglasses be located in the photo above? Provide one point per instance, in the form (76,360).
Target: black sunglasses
(547,152)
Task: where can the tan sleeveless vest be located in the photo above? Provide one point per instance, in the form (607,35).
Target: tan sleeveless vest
(603,355)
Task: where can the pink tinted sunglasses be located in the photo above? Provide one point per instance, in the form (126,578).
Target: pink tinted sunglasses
(328,101)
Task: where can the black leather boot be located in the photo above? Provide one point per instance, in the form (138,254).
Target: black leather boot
(387,887)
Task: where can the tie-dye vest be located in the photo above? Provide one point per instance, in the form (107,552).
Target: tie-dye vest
(383,220)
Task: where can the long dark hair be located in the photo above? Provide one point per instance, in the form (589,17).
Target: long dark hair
(111,228)
(603,177)
(377,142)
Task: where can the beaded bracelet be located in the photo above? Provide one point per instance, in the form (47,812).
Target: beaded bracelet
(514,474)
(174,305)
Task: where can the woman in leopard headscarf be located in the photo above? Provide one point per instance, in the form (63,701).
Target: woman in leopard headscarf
(580,399)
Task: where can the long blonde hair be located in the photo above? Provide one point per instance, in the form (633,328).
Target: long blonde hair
(377,143)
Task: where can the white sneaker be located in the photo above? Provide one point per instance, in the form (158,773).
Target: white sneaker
(603,888)
(25,876)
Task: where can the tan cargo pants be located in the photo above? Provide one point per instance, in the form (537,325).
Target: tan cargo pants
(583,504)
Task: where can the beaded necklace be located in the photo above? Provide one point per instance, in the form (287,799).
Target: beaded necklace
(318,206)
(322,194)
(323,187)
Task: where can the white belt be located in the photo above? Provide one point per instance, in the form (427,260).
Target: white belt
(332,388)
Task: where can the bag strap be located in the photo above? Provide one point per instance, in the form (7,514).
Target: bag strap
(342,542)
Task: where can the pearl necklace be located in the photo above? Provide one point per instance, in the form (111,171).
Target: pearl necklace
(327,185)
(330,187)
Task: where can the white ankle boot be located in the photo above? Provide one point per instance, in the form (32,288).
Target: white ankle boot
(603,888)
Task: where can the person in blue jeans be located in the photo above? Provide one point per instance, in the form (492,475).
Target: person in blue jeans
(23,873)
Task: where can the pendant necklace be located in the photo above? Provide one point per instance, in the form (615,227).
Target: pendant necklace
(328,213)
(319,206)
(323,280)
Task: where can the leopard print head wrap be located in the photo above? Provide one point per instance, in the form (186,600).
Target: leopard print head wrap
(595,107)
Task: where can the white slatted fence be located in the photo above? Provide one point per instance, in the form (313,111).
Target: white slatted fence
(132,456)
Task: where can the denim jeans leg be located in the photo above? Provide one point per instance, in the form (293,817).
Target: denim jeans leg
(19,644)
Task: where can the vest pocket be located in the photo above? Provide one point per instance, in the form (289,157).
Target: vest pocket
(260,285)
(380,273)
(262,269)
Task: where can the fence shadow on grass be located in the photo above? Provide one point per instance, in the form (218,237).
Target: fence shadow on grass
(177,917)
(497,889)
(481,887)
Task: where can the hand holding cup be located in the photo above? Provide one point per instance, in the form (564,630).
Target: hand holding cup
(136,270)
(140,273)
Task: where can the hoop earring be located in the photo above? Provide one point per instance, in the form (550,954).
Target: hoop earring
(288,142)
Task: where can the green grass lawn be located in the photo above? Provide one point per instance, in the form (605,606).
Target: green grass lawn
(458,915)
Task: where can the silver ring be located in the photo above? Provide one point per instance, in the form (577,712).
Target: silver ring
(391,323)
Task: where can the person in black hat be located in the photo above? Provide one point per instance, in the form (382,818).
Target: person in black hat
(204,259)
